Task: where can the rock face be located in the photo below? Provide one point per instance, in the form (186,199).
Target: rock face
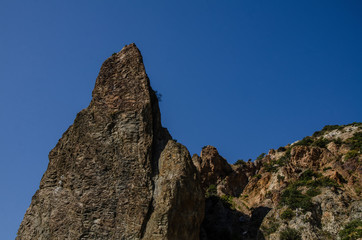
(317,186)
(176,214)
(211,165)
(215,171)
(308,190)
(116,173)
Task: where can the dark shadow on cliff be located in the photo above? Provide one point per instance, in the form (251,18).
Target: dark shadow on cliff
(223,222)
(258,214)
(160,138)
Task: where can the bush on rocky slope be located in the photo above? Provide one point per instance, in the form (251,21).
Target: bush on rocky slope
(352,231)
(290,234)
(293,197)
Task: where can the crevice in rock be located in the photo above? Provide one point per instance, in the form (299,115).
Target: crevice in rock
(257,217)
(148,216)
(160,139)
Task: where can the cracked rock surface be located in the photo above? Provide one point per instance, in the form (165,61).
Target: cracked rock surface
(116,173)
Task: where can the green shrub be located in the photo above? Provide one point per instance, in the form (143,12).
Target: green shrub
(240,162)
(283,159)
(351,154)
(337,141)
(290,234)
(246,206)
(227,201)
(358,190)
(244,196)
(308,175)
(281,149)
(312,192)
(261,156)
(321,142)
(327,128)
(355,142)
(293,198)
(324,182)
(312,179)
(352,231)
(287,214)
(273,227)
(270,167)
(258,176)
(274,165)
(211,191)
(159,96)
(307,141)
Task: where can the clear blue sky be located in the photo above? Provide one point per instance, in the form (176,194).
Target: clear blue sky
(244,76)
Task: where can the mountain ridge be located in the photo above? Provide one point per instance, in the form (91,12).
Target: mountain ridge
(116,173)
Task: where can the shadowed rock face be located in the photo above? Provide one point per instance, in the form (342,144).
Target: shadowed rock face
(116,173)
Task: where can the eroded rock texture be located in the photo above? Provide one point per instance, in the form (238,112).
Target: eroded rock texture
(308,190)
(116,173)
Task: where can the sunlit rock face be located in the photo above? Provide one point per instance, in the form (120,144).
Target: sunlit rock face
(310,189)
(116,173)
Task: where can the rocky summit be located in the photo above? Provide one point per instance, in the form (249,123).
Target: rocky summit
(116,173)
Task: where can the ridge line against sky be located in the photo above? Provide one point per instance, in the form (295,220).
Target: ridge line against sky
(243,76)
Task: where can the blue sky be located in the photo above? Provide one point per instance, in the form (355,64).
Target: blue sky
(243,76)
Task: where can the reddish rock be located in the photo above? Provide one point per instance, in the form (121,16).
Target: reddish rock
(213,168)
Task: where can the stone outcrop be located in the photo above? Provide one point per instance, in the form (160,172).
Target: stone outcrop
(211,165)
(319,186)
(116,173)
(310,189)
(215,170)
(176,214)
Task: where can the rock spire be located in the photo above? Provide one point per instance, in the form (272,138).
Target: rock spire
(116,173)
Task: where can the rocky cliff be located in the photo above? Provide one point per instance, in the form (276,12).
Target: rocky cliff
(310,189)
(116,173)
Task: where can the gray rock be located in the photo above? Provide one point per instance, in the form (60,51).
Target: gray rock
(106,179)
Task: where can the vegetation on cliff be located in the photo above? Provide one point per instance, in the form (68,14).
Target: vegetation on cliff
(308,189)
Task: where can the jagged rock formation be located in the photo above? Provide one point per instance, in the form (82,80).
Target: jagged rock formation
(317,185)
(116,173)
(310,189)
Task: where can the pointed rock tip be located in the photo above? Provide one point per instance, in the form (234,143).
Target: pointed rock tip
(122,82)
(131,45)
(130,48)
(208,148)
(129,51)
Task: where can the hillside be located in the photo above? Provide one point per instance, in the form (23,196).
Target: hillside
(310,189)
